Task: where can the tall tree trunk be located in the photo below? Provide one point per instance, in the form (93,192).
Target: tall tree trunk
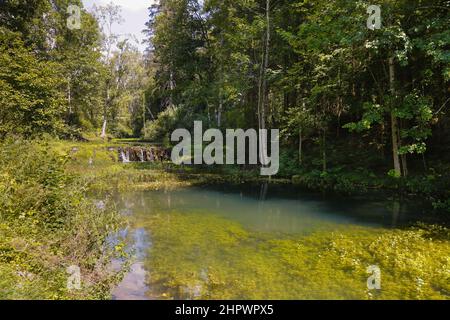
(220,108)
(394,120)
(266,65)
(105,111)
(171,87)
(143,112)
(394,128)
(103,135)
(300,146)
(404,164)
(382,141)
(324,151)
(403,157)
(263,94)
(219,113)
(69,96)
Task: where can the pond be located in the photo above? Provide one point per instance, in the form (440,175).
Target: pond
(277,242)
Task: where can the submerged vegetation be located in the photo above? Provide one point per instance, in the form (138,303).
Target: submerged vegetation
(201,256)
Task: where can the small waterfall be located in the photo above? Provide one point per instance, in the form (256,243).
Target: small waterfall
(150,155)
(125,156)
(143,154)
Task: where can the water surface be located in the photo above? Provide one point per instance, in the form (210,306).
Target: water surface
(256,242)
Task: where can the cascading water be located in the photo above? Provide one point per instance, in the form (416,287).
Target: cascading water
(125,156)
(142,154)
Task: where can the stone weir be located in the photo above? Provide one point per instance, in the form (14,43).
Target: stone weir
(143,154)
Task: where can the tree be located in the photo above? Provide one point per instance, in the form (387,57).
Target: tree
(30,90)
(108,15)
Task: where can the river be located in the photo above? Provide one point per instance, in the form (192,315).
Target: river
(261,242)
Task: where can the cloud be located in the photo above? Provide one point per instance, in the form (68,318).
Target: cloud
(134,14)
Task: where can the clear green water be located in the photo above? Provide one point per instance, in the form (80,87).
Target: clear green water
(279,243)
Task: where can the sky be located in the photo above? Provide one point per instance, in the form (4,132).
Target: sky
(134,14)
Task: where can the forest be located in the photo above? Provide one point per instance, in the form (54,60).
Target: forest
(354,104)
(359,91)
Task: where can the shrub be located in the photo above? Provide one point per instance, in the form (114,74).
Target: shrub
(47,225)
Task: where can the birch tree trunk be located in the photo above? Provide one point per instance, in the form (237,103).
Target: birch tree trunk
(105,122)
(103,135)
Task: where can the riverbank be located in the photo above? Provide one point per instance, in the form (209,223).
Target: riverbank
(98,163)
(53,239)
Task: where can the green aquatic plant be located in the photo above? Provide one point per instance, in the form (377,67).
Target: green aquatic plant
(200,255)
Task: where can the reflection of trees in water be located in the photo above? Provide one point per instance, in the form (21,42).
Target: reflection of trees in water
(396,206)
(263,192)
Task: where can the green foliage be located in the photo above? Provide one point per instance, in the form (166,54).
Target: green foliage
(168,121)
(158,130)
(47,225)
(326,70)
(29,96)
(54,79)
(417,110)
(373,114)
(125,99)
